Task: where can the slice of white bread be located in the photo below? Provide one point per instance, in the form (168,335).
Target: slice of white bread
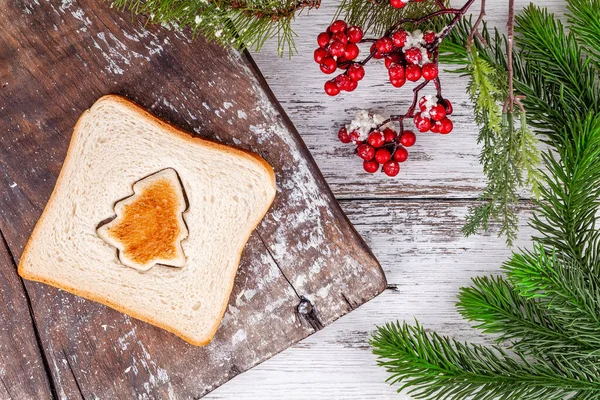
(114,145)
(148,226)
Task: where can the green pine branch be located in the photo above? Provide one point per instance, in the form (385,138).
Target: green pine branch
(238,23)
(430,366)
(376,16)
(547,310)
(499,308)
(569,294)
(566,220)
(584,19)
(510,156)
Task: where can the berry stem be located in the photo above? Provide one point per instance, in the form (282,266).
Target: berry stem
(438,87)
(410,113)
(511,100)
(475,30)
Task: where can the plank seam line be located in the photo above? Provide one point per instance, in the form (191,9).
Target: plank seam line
(33,321)
(277,264)
(312,318)
(73,373)
(6,387)
(347,301)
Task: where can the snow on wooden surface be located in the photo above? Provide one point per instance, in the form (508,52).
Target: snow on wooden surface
(412,223)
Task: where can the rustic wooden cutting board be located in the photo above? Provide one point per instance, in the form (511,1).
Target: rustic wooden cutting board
(304,266)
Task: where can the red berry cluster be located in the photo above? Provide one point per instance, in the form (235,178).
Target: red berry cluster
(337,49)
(433,115)
(381,148)
(407,56)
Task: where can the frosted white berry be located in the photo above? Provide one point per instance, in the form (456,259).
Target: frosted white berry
(364,122)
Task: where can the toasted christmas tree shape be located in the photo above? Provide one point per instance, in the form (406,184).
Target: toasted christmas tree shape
(149,226)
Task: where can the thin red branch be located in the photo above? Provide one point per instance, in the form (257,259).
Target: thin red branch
(275,14)
(475,28)
(410,113)
(509,104)
(418,21)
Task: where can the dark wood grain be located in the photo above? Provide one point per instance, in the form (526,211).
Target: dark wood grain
(22,370)
(56,60)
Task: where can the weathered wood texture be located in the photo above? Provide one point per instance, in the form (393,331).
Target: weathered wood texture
(22,372)
(57,59)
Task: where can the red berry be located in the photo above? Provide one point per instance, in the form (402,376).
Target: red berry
(331,88)
(337,48)
(384,45)
(371,166)
(413,73)
(323,39)
(366,151)
(413,55)
(356,72)
(376,55)
(351,51)
(354,136)
(435,128)
(446,126)
(396,72)
(355,34)
(397,3)
(391,168)
(399,38)
(340,36)
(338,26)
(398,82)
(429,37)
(350,85)
(320,54)
(401,154)
(383,155)
(328,65)
(423,124)
(389,135)
(376,139)
(408,138)
(448,106)
(341,81)
(429,71)
(393,58)
(344,136)
(437,112)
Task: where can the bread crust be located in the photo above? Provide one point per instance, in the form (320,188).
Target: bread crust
(193,140)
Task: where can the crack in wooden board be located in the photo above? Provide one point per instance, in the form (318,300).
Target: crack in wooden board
(59,59)
(22,371)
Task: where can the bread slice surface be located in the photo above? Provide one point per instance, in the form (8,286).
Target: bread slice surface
(115,144)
